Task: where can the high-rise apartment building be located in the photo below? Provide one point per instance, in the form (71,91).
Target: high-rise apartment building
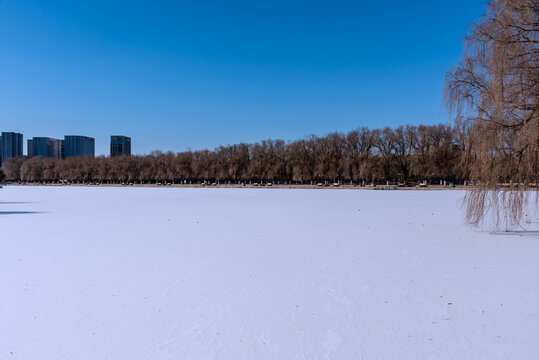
(11,145)
(44,146)
(75,145)
(120,145)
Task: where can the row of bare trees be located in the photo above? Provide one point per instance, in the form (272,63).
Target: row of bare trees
(404,154)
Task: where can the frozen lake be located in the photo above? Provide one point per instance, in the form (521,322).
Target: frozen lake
(144,273)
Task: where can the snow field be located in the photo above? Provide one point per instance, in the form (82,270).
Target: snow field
(143,273)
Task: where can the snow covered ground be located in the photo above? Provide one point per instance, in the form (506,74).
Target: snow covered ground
(144,273)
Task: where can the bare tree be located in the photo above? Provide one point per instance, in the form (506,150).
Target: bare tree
(463,141)
(11,167)
(358,147)
(386,151)
(404,142)
(496,87)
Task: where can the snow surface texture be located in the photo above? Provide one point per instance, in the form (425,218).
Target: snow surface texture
(143,273)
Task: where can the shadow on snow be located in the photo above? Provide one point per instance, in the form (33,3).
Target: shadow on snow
(19,212)
(519,232)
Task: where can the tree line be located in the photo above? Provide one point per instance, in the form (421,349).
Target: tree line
(404,154)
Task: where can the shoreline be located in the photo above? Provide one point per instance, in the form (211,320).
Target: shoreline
(250,186)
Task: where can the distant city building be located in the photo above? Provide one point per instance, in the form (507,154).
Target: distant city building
(120,145)
(11,145)
(75,145)
(44,146)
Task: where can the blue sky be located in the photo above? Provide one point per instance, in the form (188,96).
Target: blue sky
(176,75)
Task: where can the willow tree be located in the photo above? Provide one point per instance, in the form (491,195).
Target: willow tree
(495,87)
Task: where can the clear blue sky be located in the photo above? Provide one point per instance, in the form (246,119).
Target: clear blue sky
(175,75)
